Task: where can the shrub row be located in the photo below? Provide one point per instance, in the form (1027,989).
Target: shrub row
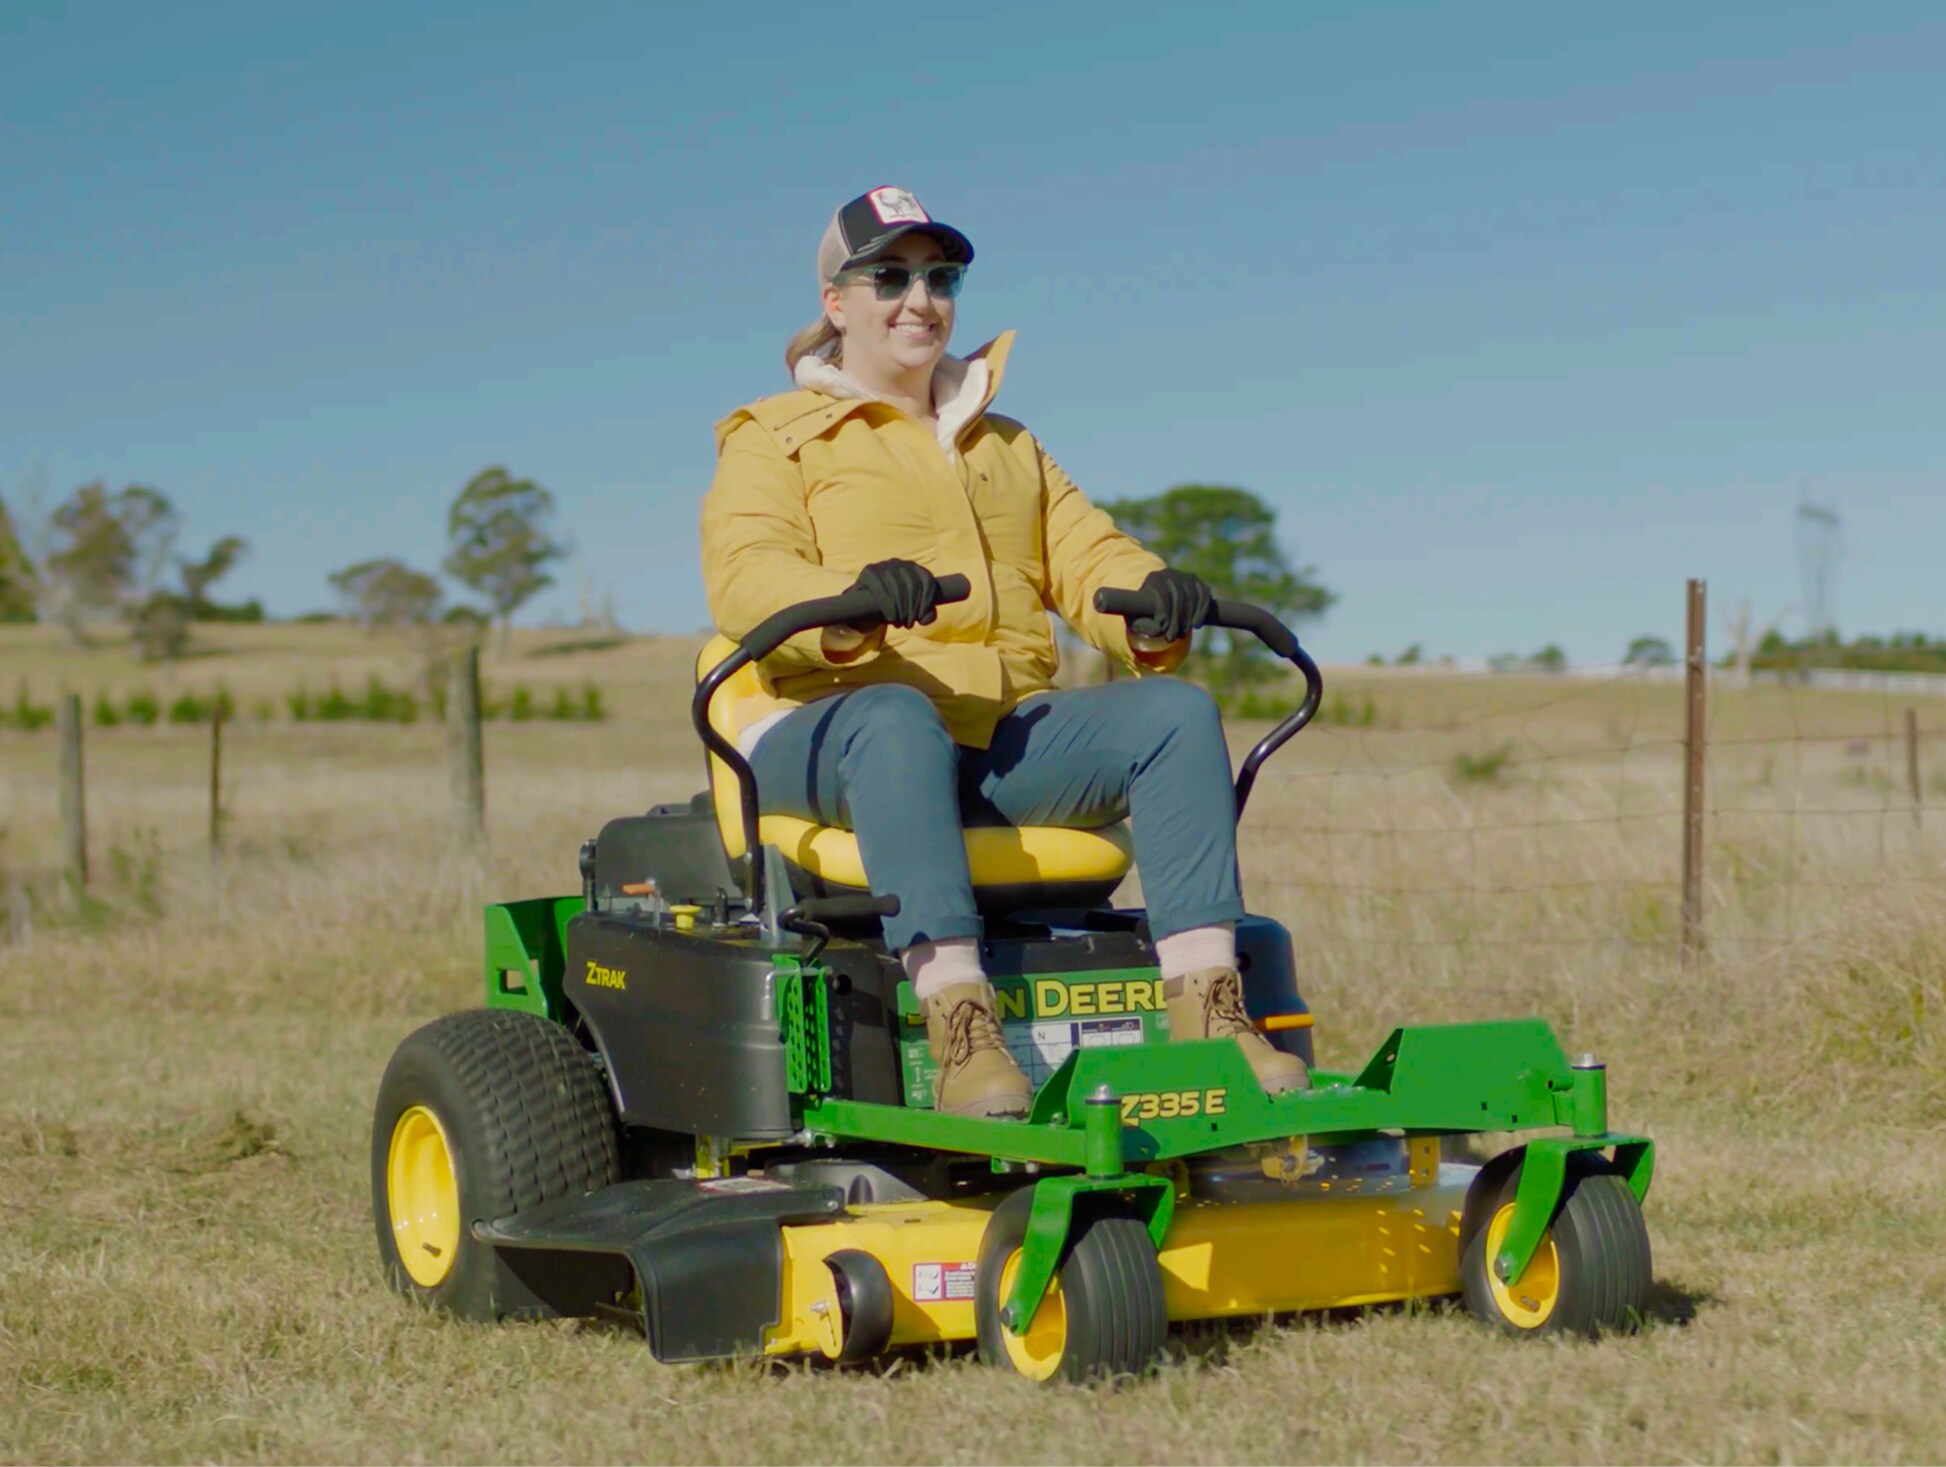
(381,704)
(1337,711)
(377,703)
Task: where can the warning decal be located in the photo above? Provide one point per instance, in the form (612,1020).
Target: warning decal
(933,1283)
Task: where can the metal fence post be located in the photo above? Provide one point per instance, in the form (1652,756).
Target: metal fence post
(1695,736)
(463,742)
(72,796)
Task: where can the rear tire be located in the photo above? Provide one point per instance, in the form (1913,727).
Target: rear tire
(1591,1273)
(1103,1316)
(481,1115)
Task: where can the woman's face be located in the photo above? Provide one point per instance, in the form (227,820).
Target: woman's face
(903,338)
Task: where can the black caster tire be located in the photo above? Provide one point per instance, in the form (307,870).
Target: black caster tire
(481,1115)
(864,1305)
(1103,1316)
(1591,1274)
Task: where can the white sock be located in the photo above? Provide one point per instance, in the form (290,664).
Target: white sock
(1183,952)
(935,965)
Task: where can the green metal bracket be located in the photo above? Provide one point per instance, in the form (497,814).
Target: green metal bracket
(1543,1175)
(1190,1096)
(1052,1216)
(803,1023)
(526,954)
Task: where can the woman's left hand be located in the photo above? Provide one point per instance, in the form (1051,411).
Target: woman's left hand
(1182,604)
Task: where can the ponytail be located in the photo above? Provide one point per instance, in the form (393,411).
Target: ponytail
(819,339)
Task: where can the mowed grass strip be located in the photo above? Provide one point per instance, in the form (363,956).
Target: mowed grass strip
(190,1271)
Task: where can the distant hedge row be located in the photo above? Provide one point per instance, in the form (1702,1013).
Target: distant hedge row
(382,704)
(376,703)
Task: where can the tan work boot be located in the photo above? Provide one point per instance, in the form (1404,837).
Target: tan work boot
(977,1077)
(1208,1004)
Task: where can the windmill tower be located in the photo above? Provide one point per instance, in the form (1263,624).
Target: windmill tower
(1820,546)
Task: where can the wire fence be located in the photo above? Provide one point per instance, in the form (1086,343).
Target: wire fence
(1425,809)
(1469,809)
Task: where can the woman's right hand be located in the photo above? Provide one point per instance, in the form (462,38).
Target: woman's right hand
(904,593)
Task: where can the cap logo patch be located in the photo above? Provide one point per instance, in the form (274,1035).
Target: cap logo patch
(897,206)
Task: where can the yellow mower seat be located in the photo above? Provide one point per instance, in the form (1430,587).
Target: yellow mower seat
(1001,856)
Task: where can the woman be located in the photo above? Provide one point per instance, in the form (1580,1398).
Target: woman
(882,470)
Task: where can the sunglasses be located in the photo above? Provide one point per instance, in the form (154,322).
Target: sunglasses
(891,282)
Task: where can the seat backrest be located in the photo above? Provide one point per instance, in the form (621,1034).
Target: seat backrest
(723,718)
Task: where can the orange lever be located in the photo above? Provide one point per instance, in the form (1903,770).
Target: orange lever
(1277,1023)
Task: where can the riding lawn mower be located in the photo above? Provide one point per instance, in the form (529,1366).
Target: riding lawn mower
(699,1100)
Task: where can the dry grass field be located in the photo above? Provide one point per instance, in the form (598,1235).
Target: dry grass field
(189,1272)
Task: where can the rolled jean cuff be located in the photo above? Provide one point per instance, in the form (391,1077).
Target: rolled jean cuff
(904,930)
(1167,923)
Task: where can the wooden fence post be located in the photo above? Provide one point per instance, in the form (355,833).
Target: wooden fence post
(72,797)
(216,780)
(463,742)
(1695,736)
(1912,764)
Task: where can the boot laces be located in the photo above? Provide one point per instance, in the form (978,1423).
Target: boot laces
(971,1027)
(1224,1006)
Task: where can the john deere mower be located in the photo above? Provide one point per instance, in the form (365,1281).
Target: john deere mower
(699,1099)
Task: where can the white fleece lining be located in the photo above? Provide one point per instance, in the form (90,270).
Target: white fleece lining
(959,390)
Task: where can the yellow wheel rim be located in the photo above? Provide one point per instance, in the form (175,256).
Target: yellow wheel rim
(1037,1353)
(423,1197)
(1527,1303)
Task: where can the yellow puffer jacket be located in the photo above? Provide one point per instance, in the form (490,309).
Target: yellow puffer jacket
(812,487)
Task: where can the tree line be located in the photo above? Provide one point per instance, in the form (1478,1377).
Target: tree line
(111,558)
(102,560)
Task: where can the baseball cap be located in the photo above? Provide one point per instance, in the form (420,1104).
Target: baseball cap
(863,228)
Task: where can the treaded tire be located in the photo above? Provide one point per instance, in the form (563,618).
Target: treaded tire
(1602,1262)
(527,1119)
(1111,1291)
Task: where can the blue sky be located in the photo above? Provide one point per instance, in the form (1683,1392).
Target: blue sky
(1518,314)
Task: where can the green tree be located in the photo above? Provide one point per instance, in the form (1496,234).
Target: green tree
(161,622)
(1649,652)
(107,551)
(1550,659)
(17,579)
(199,575)
(387,593)
(500,545)
(1226,536)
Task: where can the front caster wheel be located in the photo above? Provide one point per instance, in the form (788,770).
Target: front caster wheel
(1591,1273)
(1103,1314)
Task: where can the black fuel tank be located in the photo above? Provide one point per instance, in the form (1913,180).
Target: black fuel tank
(688,1023)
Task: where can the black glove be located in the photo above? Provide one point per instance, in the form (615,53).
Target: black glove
(903,594)
(1182,605)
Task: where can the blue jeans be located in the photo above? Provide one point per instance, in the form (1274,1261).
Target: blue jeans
(879,763)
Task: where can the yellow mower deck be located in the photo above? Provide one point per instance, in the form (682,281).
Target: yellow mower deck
(1331,1245)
